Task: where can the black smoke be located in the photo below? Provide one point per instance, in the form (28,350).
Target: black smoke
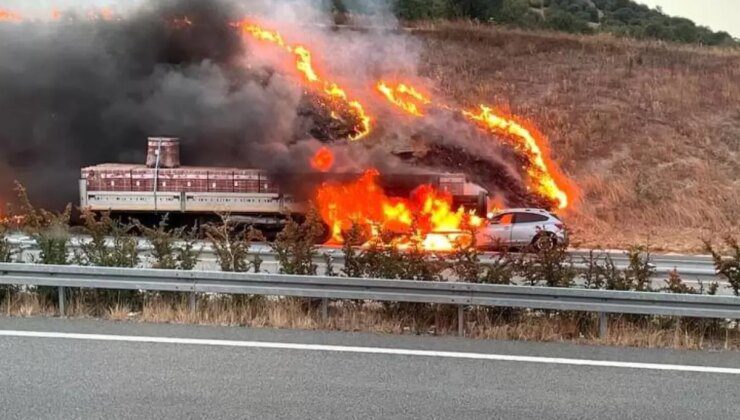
(78,92)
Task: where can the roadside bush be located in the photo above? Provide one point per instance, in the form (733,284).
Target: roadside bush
(6,250)
(231,245)
(594,275)
(614,278)
(465,263)
(6,255)
(674,284)
(111,243)
(172,249)
(601,271)
(640,270)
(380,258)
(49,230)
(500,270)
(352,258)
(51,233)
(709,289)
(551,266)
(295,246)
(727,266)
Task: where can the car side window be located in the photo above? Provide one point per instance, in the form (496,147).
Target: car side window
(506,219)
(529,218)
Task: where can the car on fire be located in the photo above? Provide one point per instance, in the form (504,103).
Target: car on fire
(522,228)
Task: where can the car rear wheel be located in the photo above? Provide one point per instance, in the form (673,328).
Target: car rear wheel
(544,242)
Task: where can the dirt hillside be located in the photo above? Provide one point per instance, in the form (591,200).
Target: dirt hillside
(649,131)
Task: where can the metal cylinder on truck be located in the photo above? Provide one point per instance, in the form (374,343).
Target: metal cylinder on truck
(168,149)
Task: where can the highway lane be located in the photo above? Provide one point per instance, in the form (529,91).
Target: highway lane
(98,375)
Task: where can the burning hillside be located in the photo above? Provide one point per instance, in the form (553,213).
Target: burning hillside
(428,211)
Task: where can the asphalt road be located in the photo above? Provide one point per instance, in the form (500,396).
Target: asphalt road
(131,370)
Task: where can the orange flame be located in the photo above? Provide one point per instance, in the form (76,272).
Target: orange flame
(404,96)
(304,65)
(9,16)
(545,177)
(528,141)
(426,218)
(323,160)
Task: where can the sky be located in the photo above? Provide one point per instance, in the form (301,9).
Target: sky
(719,15)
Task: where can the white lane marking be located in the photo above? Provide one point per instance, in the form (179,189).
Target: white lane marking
(370,350)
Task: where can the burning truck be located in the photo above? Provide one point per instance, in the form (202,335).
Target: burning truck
(192,194)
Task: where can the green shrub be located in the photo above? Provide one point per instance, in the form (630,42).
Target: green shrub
(614,278)
(425,9)
(465,263)
(566,22)
(674,284)
(620,17)
(594,274)
(353,266)
(6,255)
(231,245)
(640,270)
(727,266)
(553,267)
(295,246)
(381,259)
(51,233)
(49,230)
(172,249)
(111,243)
(500,270)
(6,249)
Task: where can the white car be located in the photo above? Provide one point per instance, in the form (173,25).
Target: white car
(518,228)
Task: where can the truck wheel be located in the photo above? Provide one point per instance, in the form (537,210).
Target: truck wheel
(325,235)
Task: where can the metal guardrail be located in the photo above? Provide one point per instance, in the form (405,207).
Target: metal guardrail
(453,293)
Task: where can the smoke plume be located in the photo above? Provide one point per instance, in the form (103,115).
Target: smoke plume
(80,91)
(91,84)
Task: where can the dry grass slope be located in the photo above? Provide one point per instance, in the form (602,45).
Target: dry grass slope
(650,132)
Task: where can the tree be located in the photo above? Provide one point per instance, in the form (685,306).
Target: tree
(564,21)
(684,30)
(512,11)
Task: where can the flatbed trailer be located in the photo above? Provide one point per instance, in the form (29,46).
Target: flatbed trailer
(253,196)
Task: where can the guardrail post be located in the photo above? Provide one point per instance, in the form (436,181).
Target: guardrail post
(603,325)
(324,309)
(460,320)
(677,333)
(61,301)
(193,302)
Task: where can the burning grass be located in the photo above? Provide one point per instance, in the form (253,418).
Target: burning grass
(648,131)
(416,319)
